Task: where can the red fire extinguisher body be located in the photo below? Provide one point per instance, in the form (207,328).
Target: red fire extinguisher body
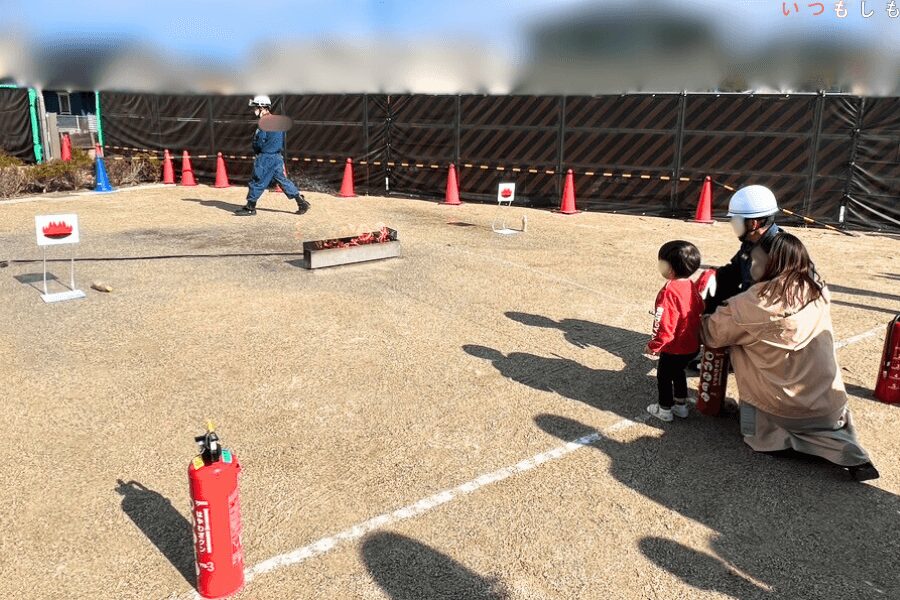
(216,511)
(887,386)
(713,381)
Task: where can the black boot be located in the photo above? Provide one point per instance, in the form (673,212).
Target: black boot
(302,204)
(864,472)
(246,211)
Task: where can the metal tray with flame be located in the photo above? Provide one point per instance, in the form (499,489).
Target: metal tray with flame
(348,250)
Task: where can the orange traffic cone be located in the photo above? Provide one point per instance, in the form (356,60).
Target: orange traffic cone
(704,206)
(168,169)
(451,196)
(187,172)
(567,206)
(221,174)
(66,148)
(347,183)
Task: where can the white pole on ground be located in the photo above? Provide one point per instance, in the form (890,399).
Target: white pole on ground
(45,271)
(72,270)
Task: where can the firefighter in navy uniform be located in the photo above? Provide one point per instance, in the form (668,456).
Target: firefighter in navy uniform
(269,164)
(752,210)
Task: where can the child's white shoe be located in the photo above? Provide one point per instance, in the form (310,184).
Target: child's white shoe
(680,410)
(663,414)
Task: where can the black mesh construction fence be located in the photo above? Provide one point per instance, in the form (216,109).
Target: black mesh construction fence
(835,158)
(15,124)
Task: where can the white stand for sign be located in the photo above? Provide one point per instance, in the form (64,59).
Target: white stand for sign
(53,230)
(72,294)
(498,225)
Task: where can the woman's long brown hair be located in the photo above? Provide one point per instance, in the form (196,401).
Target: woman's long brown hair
(790,276)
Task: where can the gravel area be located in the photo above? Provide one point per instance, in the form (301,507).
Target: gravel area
(354,391)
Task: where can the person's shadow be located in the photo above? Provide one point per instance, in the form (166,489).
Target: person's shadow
(793,528)
(406,569)
(622,343)
(227,206)
(620,391)
(861,292)
(163,525)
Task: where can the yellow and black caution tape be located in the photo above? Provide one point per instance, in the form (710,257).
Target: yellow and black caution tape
(435,166)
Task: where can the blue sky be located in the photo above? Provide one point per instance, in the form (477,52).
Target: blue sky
(223,44)
(228,30)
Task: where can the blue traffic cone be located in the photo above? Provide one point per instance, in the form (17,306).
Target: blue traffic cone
(101,177)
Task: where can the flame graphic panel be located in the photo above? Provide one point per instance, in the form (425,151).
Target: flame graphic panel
(57,230)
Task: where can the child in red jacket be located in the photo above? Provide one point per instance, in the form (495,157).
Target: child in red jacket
(676,328)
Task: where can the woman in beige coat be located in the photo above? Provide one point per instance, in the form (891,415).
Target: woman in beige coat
(782,349)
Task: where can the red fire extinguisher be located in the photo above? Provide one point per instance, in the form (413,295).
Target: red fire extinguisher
(216,510)
(713,381)
(887,386)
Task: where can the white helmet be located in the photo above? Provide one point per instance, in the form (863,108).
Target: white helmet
(261,100)
(752,202)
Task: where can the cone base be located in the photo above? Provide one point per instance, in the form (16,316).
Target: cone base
(220,186)
(342,195)
(567,212)
(445,203)
(704,221)
(187,184)
(103,190)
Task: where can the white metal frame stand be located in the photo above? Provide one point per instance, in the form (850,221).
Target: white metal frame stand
(72,294)
(500,218)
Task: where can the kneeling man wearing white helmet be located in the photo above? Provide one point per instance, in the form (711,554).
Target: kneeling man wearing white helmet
(752,210)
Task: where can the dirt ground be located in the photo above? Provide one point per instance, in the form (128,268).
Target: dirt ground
(349,393)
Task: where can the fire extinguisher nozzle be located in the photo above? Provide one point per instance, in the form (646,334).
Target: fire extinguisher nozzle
(208,443)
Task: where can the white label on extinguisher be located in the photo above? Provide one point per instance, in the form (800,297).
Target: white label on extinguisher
(209,547)
(201,526)
(234,518)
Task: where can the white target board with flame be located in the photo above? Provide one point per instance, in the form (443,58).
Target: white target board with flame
(53,230)
(506,192)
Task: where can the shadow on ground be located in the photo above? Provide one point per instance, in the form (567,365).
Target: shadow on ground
(36,280)
(163,525)
(406,569)
(860,292)
(865,393)
(300,263)
(623,343)
(625,392)
(783,527)
(889,311)
(227,206)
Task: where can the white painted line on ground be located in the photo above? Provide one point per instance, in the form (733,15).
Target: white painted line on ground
(356,532)
(862,336)
(426,504)
(75,195)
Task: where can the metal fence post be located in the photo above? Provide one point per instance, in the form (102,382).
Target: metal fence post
(458,127)
(560,176)
(814,151)
(387,145)
(679,145)
(212,134)
(851,166)
(367,155)
(159,140)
